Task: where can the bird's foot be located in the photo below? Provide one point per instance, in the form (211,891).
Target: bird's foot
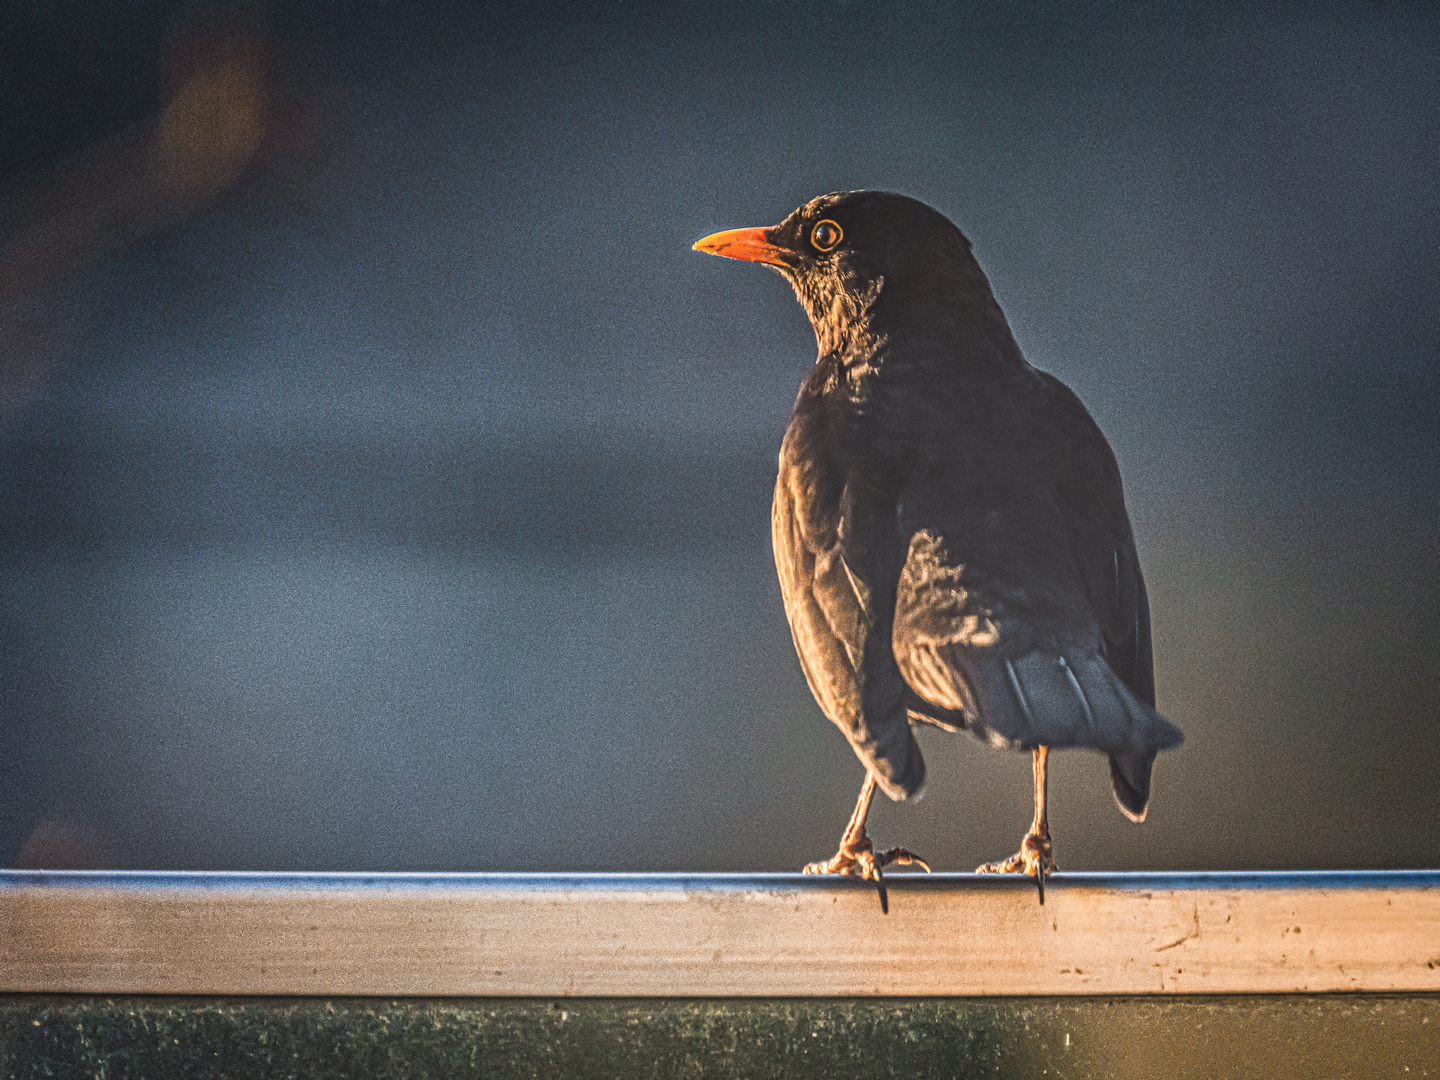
(863,861)
(1034,858)
(860,859)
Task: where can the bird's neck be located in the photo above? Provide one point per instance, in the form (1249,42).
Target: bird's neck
(895,331)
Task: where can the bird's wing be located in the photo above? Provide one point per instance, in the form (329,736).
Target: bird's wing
(838,576)
(1019,585)
(1085,481)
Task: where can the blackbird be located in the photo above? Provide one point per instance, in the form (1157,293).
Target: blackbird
(949,525)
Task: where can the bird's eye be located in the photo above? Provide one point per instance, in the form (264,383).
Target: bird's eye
(826,235)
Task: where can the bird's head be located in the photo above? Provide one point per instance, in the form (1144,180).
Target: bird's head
(864,263)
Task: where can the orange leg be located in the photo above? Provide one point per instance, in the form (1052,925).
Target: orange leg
(1034,857)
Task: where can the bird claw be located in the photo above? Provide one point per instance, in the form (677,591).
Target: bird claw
(901,856)
(863,861)
(1034,859)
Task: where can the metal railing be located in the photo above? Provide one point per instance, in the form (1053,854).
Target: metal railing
(716,935)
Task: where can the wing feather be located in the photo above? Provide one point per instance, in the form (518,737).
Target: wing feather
(841,630)
(1021,603)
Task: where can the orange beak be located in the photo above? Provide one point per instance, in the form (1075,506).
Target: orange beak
(750,245)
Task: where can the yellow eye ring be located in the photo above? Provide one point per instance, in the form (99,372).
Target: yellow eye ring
(826,235)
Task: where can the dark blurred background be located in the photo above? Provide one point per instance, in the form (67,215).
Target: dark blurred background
(384,484)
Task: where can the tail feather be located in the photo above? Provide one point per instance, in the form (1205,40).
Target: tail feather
(1130,780)
(1045,699)
(1056,698)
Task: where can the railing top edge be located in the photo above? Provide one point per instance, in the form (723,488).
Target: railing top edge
(309,881)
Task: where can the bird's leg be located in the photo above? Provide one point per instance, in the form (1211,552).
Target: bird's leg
(1034,857)
(856,856)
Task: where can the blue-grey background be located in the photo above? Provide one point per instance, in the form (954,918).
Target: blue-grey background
(384,484)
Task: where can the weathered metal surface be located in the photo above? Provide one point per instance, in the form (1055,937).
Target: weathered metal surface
(715,935)
(1176,1038)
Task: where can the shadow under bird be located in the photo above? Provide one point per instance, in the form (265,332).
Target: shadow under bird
(949,524)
